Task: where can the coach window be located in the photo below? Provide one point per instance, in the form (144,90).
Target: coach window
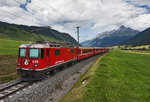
(57,52)
(42,53)
(72,51)
(47,53)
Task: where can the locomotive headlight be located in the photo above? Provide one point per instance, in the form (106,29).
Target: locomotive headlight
(36,65)
(18,64)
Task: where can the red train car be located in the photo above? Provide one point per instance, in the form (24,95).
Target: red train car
(35,60)
(84,52)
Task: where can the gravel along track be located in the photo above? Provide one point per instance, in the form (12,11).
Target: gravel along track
(7,91)
(54,87)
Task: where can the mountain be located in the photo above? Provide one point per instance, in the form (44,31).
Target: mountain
(142,38)
(86,43)
(21,32)
(104,34)
(111,38)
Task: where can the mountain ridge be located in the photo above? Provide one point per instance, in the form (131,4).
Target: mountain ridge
(112,38)
(142,38)
(21,32)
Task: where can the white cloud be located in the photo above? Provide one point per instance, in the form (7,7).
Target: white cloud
(140,2)
(141,22)
(65,15)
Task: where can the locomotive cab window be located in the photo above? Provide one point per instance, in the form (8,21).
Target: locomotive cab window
(22,53)
(57,52)
(34,53)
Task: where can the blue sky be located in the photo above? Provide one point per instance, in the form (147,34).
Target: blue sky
(94,16)
(23,5)
(145,7)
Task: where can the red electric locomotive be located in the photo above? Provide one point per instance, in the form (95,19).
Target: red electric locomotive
(36,59)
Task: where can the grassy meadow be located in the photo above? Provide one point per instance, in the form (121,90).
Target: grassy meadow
(10,47)
(8,59)
(116,77)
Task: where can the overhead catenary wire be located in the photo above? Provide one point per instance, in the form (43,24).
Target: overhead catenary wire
(33,10)
(56,22)
(50,8)
(29,15)
(23,17)
(18,15)
(39,13)
(54,9)
(61,23)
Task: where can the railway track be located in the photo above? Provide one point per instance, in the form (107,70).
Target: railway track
(13,88)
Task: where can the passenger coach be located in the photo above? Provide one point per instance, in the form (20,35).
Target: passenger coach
(37,59)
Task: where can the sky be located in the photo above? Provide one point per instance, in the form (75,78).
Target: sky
(93,16)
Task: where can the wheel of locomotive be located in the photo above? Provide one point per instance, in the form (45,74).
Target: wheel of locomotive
(55,70)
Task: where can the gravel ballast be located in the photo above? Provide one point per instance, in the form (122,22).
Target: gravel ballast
(55,87)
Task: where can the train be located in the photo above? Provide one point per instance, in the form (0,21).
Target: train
(35,60)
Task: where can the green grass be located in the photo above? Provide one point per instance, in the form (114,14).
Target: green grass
(10,47)
(117,77)
(8,59)
(8,78)
(8,64)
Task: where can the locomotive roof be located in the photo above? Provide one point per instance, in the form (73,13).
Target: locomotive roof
(47,45)
(34,46)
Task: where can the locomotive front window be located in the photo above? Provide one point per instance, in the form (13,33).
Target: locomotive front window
(22,53)
(34,53)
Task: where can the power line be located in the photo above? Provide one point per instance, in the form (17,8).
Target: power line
(50,8)
(38,12)
(83,38)
(34,31)
(25,18)
(17,15)
(32,10)
(54,10)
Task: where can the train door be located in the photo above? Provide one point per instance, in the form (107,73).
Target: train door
(47,57)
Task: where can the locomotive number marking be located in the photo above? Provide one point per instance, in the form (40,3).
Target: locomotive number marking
(35,61)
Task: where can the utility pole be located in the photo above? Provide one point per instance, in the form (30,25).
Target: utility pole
(78,33)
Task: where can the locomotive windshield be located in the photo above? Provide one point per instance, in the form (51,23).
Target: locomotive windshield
(22,53)
(34,53)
